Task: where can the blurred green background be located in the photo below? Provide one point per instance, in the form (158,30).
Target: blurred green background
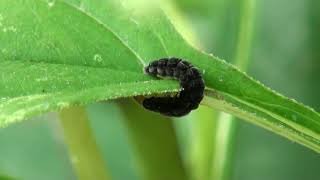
(285,56)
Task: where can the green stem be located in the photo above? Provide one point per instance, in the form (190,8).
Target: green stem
(84,153)
(224,142)
(202,144)
(154,143)
(245,34)
(226,124)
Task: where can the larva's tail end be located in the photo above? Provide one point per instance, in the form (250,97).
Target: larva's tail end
(146,70)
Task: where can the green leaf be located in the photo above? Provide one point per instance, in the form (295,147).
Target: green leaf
(33,88)
(80,52)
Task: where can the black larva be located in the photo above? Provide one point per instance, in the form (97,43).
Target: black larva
(190,80)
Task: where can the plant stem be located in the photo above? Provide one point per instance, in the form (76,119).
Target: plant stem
(226,127)
(223,153)
(154,143)
(202,144)
(84,153)
(244,44)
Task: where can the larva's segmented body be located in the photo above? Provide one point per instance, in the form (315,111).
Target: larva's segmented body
(190,80)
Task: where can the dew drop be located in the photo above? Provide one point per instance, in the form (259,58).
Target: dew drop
(51,3)
(97,58)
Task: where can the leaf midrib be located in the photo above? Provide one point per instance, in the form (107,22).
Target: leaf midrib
(302,138)
(282,119)
(288,109)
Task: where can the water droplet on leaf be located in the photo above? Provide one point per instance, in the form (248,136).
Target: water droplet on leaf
(97,58)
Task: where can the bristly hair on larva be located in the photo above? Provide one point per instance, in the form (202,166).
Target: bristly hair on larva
(190,80)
